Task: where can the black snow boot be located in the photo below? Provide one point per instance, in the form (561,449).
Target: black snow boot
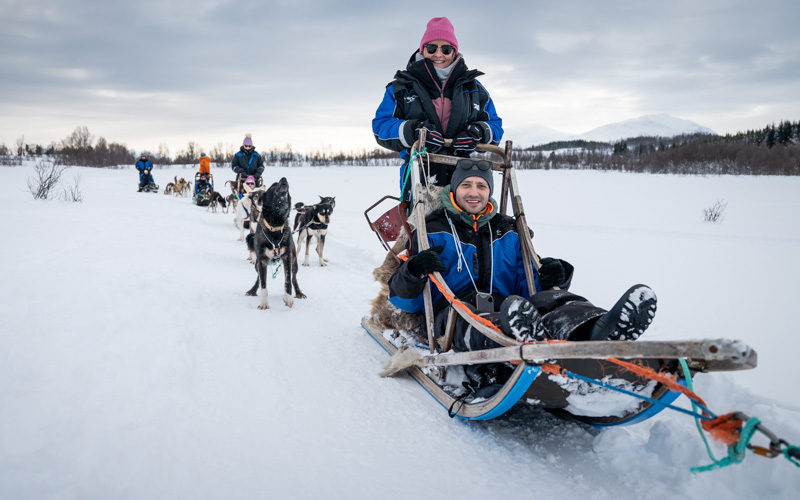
(629,317)
(520,319)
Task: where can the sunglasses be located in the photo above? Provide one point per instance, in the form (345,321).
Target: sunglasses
(470,164)
(430,48)
(251,184)
(248,147)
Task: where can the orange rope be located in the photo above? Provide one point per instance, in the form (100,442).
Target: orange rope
(669,381)
(457,303)
(725,428)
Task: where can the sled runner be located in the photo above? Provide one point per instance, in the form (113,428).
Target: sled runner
(592,381)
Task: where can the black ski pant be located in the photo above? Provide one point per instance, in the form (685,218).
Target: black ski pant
(566,316)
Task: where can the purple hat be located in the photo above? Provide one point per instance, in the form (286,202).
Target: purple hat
(439,28)
(248,140)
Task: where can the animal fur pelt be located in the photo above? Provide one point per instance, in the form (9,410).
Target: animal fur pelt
(383,312)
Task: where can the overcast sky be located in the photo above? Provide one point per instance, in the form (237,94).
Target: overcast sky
(311,73)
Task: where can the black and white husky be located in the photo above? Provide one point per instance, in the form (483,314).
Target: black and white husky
(312,221)
(272,242)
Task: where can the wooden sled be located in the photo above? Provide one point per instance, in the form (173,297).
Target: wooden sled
(567,391)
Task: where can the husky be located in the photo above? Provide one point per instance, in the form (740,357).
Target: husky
(312,221)
(272,242)
(217,199)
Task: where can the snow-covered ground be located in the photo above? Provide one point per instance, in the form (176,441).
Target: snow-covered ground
(133,366)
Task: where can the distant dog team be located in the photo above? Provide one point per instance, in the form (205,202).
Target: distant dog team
(264,214)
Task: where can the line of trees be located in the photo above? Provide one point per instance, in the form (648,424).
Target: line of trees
(773,150)
(80,148)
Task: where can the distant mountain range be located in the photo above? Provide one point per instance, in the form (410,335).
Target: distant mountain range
(661,125)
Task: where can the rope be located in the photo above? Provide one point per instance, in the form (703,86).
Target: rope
(556,370)
(729,429)
(408,170)
(457,303)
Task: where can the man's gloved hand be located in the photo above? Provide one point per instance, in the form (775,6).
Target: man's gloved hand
(434,141)
(552,273)
(468,139)
(426,262)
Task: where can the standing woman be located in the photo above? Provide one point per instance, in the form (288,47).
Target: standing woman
(439,93)
(247,162)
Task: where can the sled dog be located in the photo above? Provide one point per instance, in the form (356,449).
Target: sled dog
(181,187)
(312,221)
(272,242)
(244,209)
(217,199)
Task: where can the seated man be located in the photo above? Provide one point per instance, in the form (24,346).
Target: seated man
(144,166)
(478,252)
(203,185)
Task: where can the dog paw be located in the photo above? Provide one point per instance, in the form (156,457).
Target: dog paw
(288,300)
(301,296)
(250,293)
(262,307)
(305,264)
(322,264)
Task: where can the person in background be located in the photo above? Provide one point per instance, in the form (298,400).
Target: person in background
(205,163)
(247,162)
(203,184)
(438,93)
(145,167)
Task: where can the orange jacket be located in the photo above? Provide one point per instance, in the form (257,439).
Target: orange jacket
(205,165)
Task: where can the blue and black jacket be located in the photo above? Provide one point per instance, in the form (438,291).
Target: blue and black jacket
(141,166)
(492,250)
(246,163)
(408,101)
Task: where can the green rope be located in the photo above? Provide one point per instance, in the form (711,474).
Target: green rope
(736,453)
(688,377)
(408,170)
(789,458)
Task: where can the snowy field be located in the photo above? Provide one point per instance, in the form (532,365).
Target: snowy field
(132,366)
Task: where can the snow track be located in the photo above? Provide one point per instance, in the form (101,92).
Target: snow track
(133,366)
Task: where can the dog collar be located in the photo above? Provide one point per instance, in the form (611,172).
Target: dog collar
(273,229)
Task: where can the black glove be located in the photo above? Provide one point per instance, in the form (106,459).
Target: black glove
(552,273)
(468,139)
(426,262)
(434,141)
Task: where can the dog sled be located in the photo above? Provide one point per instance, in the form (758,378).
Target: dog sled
(147,187)
(204,186)
(633,380)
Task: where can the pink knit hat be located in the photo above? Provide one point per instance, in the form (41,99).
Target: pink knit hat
(439,28)
(248,140)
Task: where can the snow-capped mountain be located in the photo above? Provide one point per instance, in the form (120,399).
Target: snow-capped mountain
(660,125)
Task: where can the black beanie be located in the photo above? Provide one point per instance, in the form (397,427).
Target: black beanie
(472,168)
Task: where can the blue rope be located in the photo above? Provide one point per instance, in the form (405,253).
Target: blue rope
(630,393)
(408,170)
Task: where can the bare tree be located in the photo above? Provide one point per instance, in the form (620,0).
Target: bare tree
(79,139)
(715,213)
(72,192)
(21,146)
(47,177)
